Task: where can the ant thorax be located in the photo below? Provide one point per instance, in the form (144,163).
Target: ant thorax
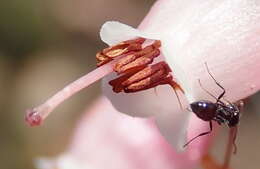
(227,113)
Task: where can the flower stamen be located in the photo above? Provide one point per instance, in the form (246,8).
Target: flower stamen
(149,77)
(138,59)
(108,54)
(128,59)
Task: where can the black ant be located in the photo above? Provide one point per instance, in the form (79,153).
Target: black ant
(223,113)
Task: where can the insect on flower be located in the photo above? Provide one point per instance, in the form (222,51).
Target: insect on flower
(222,112)
(132,60)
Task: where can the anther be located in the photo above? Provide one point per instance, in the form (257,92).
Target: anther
(108,54)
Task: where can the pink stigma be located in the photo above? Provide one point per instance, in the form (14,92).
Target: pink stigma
(37,115)
(33,118)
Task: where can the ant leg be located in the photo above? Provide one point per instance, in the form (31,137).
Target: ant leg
(231,146)
(202,134)
(219,101)
(224,91)
(234,140)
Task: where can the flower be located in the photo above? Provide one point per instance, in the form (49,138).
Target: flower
(223,34)
(106,138)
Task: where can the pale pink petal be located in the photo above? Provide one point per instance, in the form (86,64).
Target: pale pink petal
(109,139)
(161,104)
(223,34)
(113,32)
(149,103)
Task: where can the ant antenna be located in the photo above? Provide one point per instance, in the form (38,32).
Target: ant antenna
(206,90)
(224,91)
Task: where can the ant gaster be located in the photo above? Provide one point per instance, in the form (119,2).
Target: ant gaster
(222,112)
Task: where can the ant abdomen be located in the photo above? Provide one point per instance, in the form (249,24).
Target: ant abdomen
(205,110)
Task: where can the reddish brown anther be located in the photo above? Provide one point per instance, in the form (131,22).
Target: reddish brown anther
(138,59)
(134,66)
(149,77)
(108,54)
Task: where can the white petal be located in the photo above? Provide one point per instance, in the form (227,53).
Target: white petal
(144,103)
(161,104)
(227,38)
(173,124)
(225,34)
(113,32)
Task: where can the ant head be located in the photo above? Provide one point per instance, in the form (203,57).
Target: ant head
(205,110)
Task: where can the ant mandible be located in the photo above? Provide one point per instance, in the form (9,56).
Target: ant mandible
(222,112)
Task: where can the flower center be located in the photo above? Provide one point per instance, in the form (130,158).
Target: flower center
(135,66)
(130,60)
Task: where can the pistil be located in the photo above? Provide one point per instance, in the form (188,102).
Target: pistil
(131,60)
